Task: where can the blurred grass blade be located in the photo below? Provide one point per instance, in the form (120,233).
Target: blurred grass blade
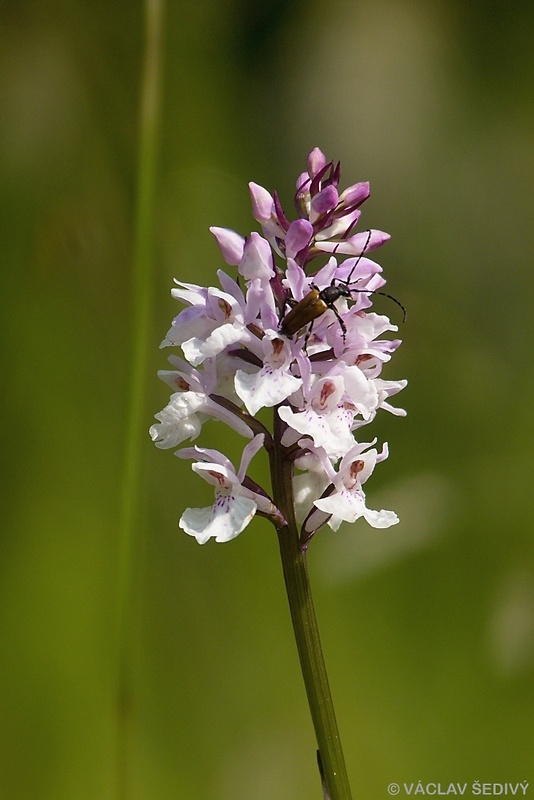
(141,303)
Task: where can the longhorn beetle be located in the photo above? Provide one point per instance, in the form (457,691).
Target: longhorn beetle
(317,301)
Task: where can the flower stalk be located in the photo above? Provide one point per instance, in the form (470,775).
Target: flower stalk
(293,554)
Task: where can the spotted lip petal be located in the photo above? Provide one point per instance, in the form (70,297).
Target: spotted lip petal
(223,521)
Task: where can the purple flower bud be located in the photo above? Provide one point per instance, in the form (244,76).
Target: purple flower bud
(316,161)
(262,202)
(231,245)
(355,195)
(257,261)
(325,201)
(298,236)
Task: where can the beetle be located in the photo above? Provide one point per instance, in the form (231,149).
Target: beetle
(314,305)
(318,301)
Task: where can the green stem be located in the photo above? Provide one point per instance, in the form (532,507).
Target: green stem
(141,299)
(293,554)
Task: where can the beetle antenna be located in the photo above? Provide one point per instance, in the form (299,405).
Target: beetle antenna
(384,294)
(366,245)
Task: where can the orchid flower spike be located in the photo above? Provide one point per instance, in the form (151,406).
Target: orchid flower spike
(279,333)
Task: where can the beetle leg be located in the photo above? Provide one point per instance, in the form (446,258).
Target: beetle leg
(308,334)
(340,320)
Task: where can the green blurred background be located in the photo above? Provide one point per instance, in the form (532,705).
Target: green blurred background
(428,627)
